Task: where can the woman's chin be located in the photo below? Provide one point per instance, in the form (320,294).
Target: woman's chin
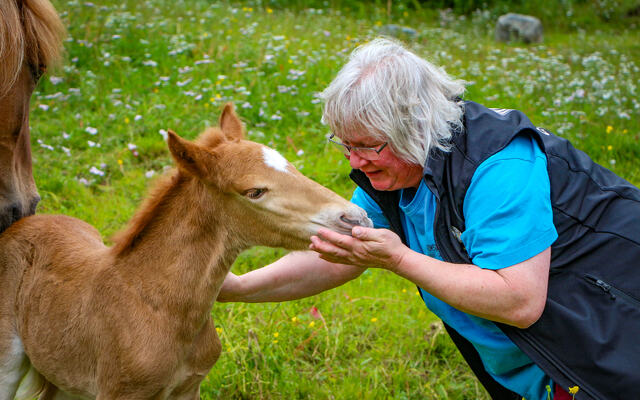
(379,184)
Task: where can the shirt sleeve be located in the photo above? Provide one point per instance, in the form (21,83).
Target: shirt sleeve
(362,199)
(507,207)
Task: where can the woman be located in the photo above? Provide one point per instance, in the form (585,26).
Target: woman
(516,240)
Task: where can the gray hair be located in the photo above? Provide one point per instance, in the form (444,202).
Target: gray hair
(393,95)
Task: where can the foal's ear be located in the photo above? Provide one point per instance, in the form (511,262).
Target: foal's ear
(230,123)
(190,157)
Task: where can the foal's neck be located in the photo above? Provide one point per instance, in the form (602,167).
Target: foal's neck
(178,248)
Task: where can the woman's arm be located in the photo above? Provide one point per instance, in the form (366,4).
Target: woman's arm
(514,295)
(294,276)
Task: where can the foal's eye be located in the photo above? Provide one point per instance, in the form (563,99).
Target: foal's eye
(255,193)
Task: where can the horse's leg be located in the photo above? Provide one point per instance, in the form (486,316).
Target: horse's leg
(14,363)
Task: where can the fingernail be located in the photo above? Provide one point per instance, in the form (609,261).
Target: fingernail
(356,231)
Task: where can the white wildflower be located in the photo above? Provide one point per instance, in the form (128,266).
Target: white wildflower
(96,171)
(44,145)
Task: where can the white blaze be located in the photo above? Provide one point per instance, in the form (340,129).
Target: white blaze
(274,159)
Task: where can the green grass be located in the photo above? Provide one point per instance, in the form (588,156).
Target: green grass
(135,68)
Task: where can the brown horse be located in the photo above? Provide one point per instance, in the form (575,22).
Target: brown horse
(134,320)
(30,41)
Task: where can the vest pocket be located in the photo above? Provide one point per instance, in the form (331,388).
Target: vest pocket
(613,292)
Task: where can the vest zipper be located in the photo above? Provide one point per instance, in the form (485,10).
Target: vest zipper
(612,291)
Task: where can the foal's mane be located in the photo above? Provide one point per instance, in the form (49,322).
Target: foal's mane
(152,206)
(31,32)
(126,240)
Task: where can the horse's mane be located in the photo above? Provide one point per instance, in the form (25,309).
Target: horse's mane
(31,31)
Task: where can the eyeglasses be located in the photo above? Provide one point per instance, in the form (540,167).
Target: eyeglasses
(367,153)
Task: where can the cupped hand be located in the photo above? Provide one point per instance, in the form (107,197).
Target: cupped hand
(367,247)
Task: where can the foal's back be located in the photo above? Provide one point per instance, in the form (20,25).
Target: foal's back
(46,265)
(31,248)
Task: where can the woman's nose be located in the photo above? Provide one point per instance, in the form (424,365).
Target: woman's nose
(356,162)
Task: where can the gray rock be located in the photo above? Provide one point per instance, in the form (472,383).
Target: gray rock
(519,27)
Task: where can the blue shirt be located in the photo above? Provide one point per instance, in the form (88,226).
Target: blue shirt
(508,219)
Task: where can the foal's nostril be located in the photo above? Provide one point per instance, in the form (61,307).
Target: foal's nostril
(349,221)
(346,220)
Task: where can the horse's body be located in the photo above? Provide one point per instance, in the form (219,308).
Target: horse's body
(30,40)
(133,320)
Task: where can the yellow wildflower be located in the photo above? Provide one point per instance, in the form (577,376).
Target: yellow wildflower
(312,324)
(219,330)
(374,319)
(609,128)
(610,147)
(276,334)
(126,120)
(269,11)
(294,319)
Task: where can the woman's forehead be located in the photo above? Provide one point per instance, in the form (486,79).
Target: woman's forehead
(361,136)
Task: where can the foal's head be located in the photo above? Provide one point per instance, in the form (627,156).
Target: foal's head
(30,40)
(267,201)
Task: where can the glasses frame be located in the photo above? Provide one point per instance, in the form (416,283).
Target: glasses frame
(347,149)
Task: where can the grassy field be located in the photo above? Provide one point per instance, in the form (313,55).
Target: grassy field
(135,69)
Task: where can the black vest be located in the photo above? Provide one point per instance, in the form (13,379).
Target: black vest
(589,332)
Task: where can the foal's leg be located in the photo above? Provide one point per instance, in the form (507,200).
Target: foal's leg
(14,363)
(51,392)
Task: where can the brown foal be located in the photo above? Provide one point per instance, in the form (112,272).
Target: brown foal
(134,320)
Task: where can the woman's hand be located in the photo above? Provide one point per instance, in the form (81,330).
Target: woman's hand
(368,247)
